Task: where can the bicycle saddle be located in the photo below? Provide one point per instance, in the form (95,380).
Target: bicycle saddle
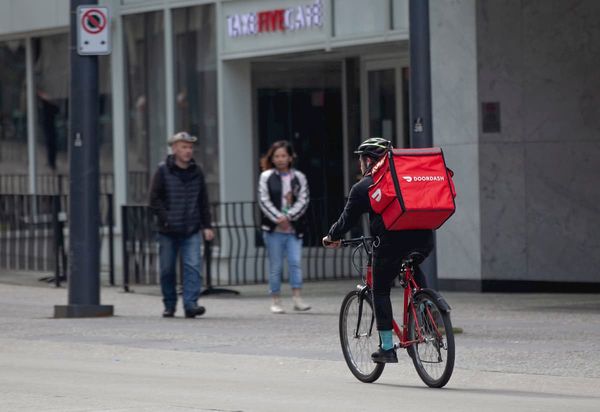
(416,258)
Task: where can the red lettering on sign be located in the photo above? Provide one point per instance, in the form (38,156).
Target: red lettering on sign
(278,20)
(271,20)
(263,21)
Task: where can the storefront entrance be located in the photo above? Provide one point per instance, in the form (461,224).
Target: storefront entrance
(302,103)
(326,108)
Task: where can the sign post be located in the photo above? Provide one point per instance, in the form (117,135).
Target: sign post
(89,36)
(421,130)
(93,30)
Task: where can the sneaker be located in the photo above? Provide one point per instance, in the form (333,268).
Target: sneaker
(277,308)
(385,356)
(168,313)
(300,305)
(195,311)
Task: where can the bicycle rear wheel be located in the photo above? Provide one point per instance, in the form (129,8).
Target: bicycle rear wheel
(359,337)
(434,357)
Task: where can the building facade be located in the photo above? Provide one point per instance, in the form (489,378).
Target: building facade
(516,96)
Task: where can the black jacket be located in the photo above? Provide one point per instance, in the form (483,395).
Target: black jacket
(269,200)
(179,199)
(358,203)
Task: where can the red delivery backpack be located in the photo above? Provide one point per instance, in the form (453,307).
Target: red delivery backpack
(412,189)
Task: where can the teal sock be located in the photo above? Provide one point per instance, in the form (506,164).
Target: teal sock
(387,341)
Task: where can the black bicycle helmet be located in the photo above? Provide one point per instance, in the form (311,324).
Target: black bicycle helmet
(374,147)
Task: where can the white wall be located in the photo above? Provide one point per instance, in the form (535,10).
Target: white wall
(237,161)
(28,15)
(539,195)
(454,106)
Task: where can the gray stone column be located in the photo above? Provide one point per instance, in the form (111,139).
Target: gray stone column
(455,126)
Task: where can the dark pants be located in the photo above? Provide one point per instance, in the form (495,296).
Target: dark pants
(189,247)
(387,261)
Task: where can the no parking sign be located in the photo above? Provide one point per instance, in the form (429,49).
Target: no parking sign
(93,30)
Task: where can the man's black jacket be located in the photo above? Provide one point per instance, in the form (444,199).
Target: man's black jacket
(179,199)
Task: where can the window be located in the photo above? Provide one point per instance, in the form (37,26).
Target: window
(301,102)
(13,113)
(196,86)
(51,83)
(145,63)
(51,76)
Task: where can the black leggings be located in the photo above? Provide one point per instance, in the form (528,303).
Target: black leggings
(387,262)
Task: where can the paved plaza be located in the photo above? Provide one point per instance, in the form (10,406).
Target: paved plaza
(518,352)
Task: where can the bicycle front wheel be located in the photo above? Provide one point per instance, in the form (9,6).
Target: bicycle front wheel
(359,337)
(433,355)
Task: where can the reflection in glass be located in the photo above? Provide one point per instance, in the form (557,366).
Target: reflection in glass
(353,118)
(302,102)
(51,75)
(406,106)
(13,115)
(145,65)
(196,86)
(382,104)
(105,123)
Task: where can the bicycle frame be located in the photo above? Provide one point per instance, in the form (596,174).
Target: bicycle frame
(411,288)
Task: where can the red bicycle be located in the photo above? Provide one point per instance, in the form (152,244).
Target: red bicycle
(426,329)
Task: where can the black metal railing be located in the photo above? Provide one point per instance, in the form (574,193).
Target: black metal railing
(58,184)
(14,184)
(33,230)
(140,252)
(31,235)
(237,255)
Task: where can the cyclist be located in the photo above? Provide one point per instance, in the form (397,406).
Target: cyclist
(393,246)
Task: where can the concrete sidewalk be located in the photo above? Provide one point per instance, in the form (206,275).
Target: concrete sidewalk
(522,351)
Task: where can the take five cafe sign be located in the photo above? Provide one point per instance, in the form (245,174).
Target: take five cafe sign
(296,18)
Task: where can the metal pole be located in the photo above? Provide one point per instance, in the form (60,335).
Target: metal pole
(421,131)
(84,199)
(111,240)
(57,244)
(124,240)
(31,118)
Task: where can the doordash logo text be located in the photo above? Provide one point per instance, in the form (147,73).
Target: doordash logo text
(411,179)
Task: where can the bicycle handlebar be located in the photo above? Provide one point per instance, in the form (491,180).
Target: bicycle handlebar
(358,240)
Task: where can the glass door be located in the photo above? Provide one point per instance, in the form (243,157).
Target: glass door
(301,102)
(384,89)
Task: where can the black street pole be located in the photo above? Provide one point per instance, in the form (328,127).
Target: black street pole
(421,131)
(84,199)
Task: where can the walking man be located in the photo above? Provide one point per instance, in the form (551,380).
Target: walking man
(179,200)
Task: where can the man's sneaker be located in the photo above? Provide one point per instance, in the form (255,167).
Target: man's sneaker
(277,308)
(168,313)
(193,312)
(385,356)
(300,305)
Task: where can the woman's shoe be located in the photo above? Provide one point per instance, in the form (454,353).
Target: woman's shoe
(277,308)
(300,305)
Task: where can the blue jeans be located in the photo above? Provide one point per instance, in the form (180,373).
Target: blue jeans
(189,247)
(278,246)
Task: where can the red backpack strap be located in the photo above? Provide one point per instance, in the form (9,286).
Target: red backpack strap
(451,175)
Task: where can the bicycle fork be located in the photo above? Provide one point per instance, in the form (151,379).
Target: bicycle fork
(362,290)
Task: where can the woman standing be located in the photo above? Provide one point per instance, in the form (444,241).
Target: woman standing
(283,198)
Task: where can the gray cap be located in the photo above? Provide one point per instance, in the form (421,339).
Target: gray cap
(182,137)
